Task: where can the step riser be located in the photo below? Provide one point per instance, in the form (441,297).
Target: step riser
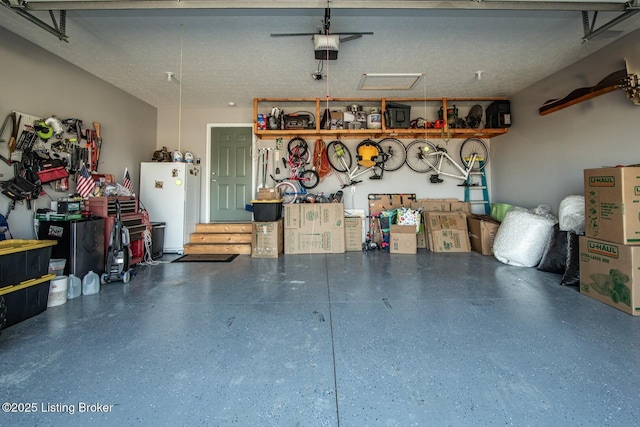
(221,238)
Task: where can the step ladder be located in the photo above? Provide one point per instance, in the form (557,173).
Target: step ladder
(472,185)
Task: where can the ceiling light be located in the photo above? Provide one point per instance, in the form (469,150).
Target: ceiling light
(389,81)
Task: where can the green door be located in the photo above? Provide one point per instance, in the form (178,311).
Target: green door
(230,189)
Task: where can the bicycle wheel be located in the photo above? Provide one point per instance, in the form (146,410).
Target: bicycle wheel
(473,146)
(298,147)
(339,156)
(396,154)
(417,158)
(310,179)
(288,192)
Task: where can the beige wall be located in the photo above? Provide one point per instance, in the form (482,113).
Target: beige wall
(541,160)
(35,82)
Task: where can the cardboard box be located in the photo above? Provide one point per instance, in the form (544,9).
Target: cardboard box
(402,239)
(482,232)
(433,205)
(612,204)
(267,239)
(447,231)
(353,233)
(268,194)
(314,228)
(457,205)
(610,273)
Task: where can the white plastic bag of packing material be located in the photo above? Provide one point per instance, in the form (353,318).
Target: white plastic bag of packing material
(571,214)
(523,236)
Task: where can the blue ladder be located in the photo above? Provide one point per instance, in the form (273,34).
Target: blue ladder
(471,185)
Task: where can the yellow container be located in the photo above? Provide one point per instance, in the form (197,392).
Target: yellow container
(499,210)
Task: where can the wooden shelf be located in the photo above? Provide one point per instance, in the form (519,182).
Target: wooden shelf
(316,106)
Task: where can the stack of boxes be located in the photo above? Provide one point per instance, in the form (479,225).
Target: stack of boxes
(267,228)
(314,228)
(445,225)
(610,249)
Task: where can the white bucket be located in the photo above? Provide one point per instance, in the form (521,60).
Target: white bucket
(57,291)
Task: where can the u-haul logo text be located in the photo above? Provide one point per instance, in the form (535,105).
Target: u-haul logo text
(602,181)
(604,249)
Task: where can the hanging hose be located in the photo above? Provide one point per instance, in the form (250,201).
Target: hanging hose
(320,161)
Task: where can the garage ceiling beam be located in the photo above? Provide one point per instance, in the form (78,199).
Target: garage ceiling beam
(608,6)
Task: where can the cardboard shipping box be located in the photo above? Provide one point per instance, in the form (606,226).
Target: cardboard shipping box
(482,233)
(447,231)
(612,204)
(314,228)
(402,239)
(433,205)
(268,194)
(610,273)
(353,233)
(267,239)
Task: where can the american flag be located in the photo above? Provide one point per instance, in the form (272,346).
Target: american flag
(126,181)
(84,183)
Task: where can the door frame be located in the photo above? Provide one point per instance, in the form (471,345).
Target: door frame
(207,164)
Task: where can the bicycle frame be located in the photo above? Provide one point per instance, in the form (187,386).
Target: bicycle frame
(437,165)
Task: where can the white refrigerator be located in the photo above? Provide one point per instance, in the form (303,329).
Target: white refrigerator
(170,192)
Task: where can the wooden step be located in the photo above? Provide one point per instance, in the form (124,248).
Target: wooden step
(224,228)
(212,248)
(220,238)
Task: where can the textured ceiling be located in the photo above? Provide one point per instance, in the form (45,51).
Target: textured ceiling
(227,55)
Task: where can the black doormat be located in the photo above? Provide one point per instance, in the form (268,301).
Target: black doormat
(206,258)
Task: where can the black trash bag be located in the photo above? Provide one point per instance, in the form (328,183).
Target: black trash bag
(554,257)
(571,275)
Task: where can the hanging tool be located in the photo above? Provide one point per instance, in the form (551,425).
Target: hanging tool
(96,127)
(4,125)
(277,156)
(266,168)
(14,132)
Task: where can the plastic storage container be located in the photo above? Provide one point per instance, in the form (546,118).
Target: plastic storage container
(499,210)
(56,266)
(26,299)
(74,288)
(267,210)
(90,283)
(58,291)
(22,260)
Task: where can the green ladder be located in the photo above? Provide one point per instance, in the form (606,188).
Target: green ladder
(471,185)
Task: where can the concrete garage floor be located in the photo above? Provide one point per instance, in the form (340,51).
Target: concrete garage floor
(352,340)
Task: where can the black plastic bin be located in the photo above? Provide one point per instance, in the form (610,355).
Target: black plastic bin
(24,300)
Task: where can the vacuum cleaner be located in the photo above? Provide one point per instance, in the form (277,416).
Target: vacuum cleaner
(117,260)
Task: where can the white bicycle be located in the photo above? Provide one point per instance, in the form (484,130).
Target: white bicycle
(423,156)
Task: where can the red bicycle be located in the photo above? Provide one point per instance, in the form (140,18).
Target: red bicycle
(300,178)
